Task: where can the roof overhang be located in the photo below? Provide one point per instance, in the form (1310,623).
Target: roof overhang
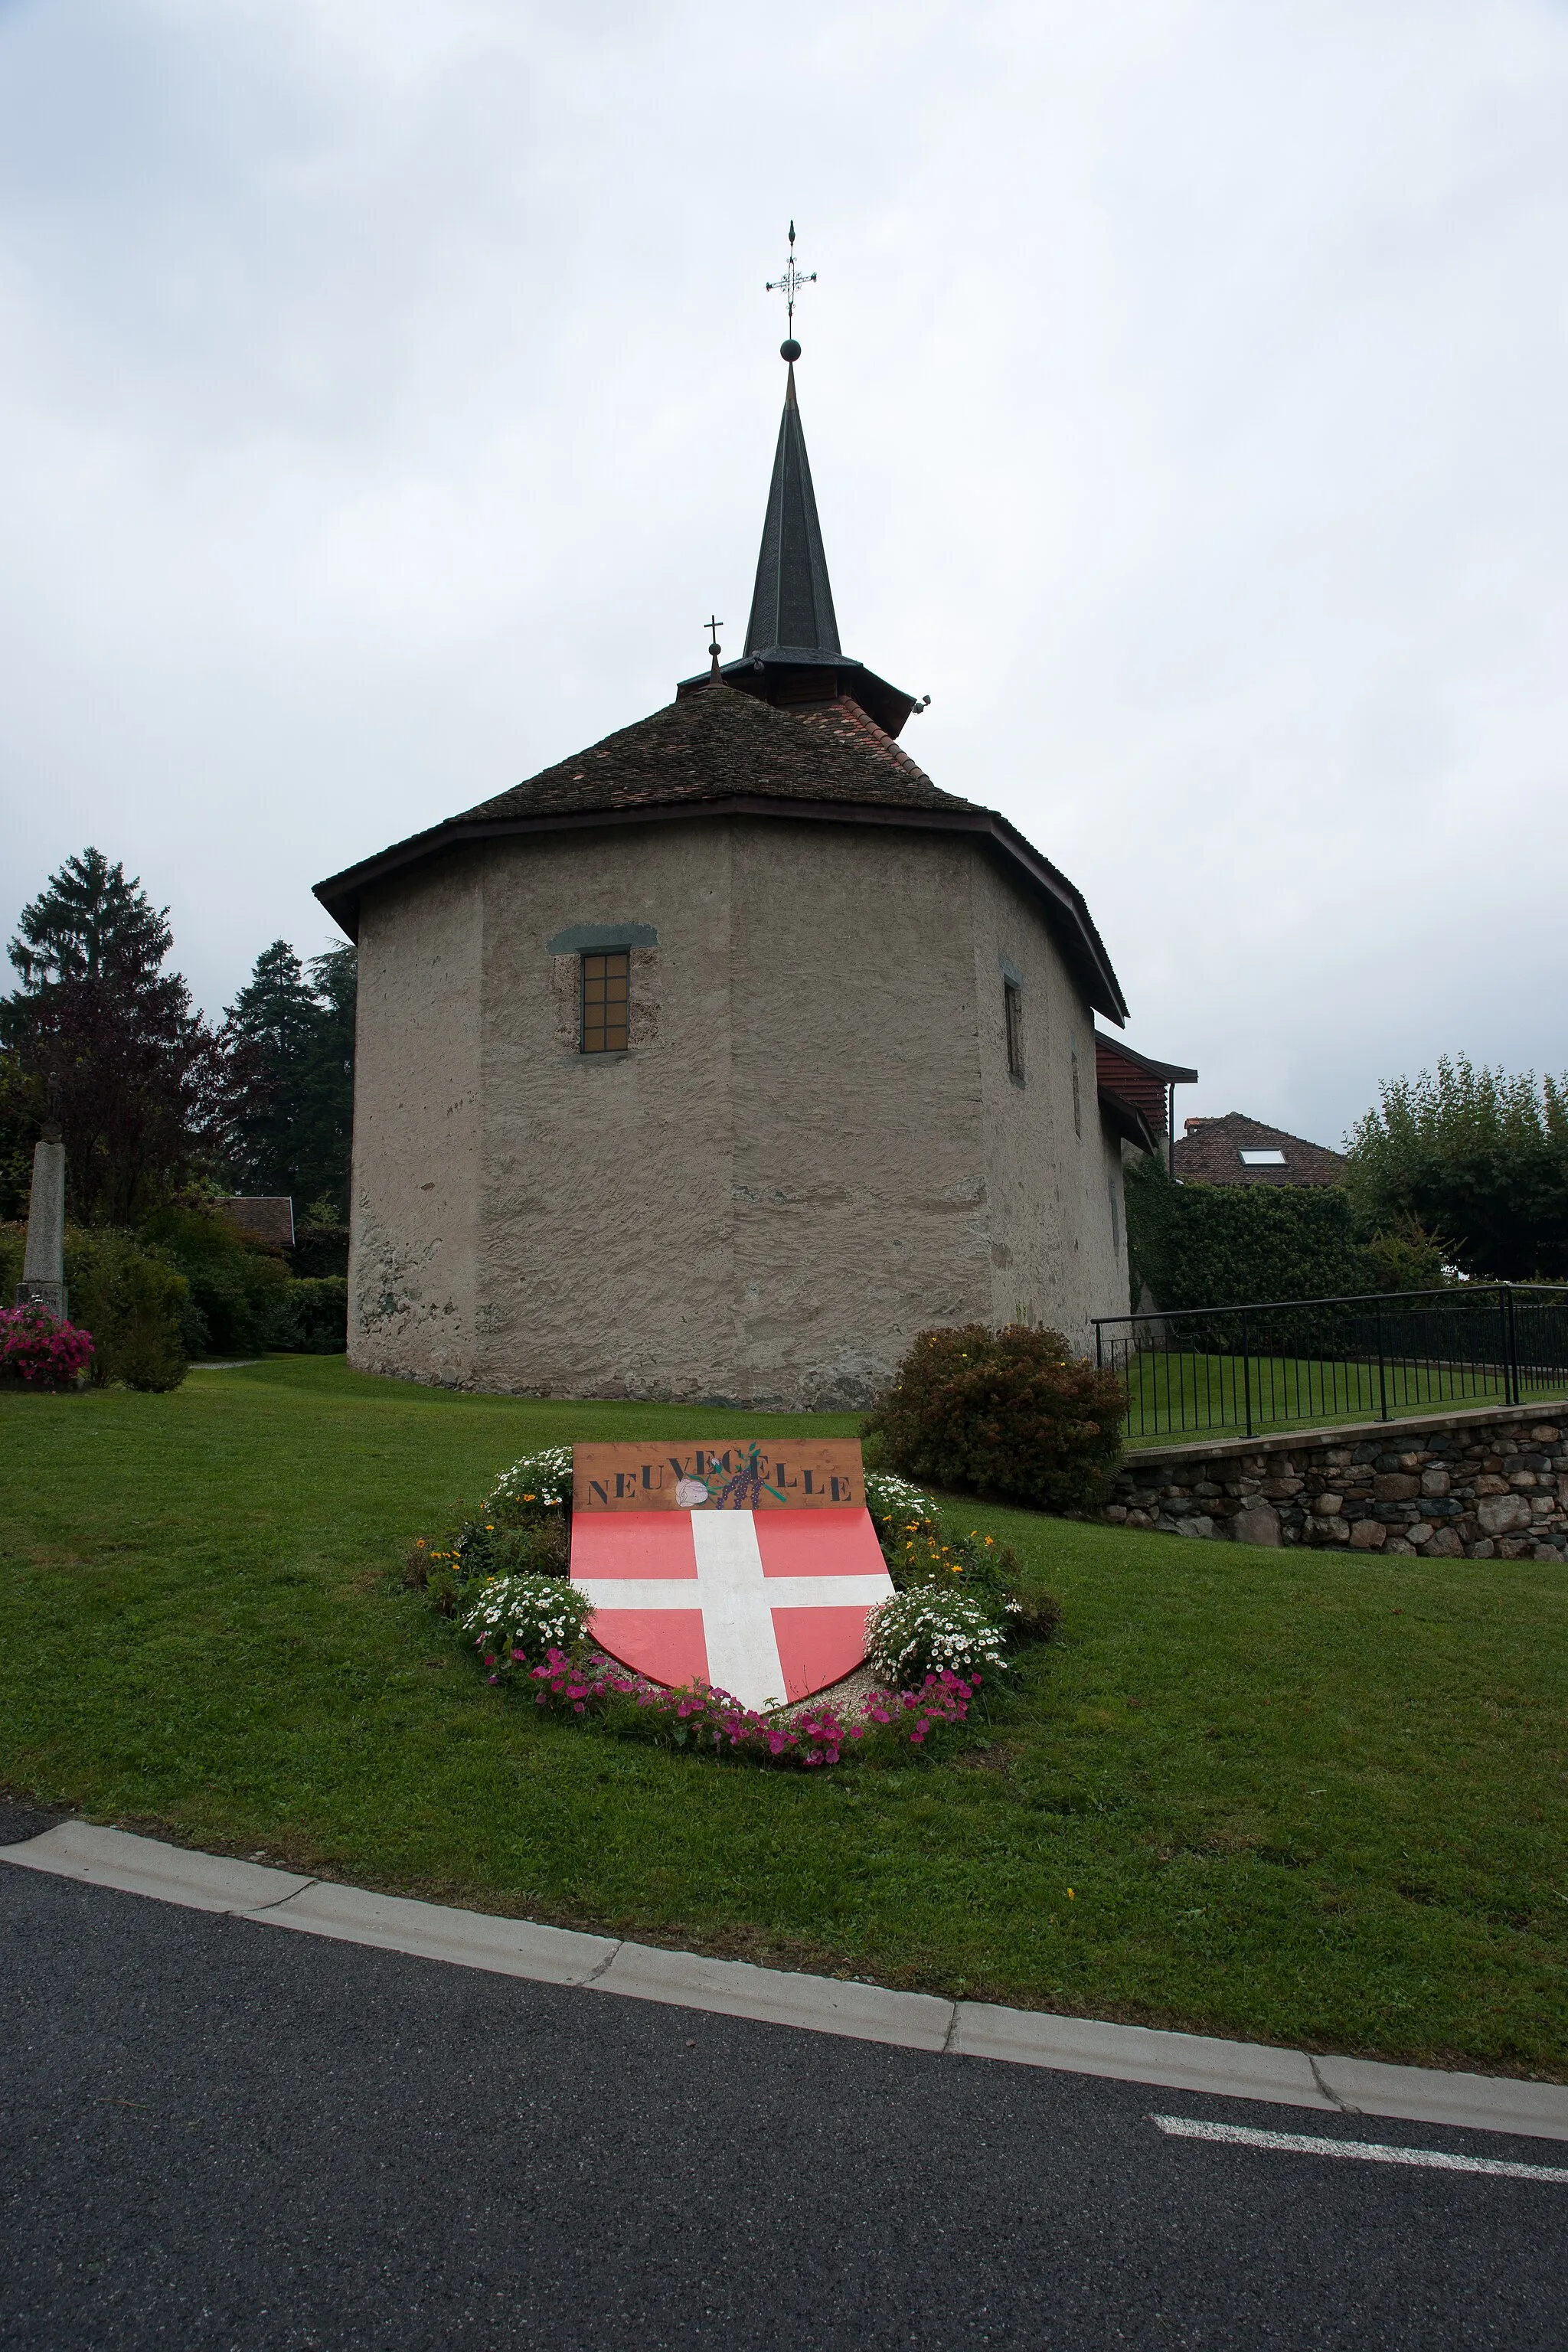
(1125,1120)
(1169,1071)
(1063,906)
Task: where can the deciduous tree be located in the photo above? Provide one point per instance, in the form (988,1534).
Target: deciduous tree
(1476,1155)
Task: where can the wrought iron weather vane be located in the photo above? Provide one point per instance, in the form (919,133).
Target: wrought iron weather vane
(789,286)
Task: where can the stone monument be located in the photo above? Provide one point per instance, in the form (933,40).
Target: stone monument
(43,1267)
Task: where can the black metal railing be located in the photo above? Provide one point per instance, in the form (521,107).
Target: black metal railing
(1298,1361)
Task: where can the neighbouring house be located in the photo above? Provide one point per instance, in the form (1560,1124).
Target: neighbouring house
(1130,1082)
(266,1218)
(720,1059)
(1236,1150)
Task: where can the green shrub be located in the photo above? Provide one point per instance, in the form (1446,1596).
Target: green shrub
(237,1287)
(1243,1245)
(12,1254)
(1008,1413)
(134,1303)
(311,1317)
(318,1250)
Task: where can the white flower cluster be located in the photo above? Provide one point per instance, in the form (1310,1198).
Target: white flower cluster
(532,1614)
(894,1499)
(542,1477)
(919,1631)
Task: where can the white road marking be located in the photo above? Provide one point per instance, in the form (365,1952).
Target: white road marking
(1362,2151)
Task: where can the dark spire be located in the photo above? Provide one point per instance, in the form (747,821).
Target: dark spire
(793,655)
(791,609)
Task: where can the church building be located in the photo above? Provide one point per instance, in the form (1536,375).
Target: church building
(717,1062)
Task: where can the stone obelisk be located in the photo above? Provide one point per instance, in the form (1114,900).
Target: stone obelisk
(44,1267)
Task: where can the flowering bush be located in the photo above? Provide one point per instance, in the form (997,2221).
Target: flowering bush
(1012,1412)
(516,1618)
(522,1530)
(700,1716)
(38,1349)
(537,1485)
(929,1630)
(896,1505)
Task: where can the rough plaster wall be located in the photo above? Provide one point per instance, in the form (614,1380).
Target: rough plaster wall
(1055,1257)
(607,1265)
(811,1150)
(416,1126)
(859,1194)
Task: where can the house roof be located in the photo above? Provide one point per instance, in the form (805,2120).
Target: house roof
(1209,1152)
(1126,1119)
(1171,1072)
(718,753)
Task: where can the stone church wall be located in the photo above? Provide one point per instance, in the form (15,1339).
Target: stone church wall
(1053,1175)
(811,1151)
(413,1255)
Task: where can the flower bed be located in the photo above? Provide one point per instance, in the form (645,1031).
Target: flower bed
(504,1574)
(700,1716)
(38,1349)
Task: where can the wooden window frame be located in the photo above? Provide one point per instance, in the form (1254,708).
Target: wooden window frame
(599,969)
(1013,1028)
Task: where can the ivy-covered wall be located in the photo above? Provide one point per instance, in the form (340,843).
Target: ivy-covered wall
(1235,1245)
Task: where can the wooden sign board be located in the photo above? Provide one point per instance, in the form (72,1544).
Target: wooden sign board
(742,1474)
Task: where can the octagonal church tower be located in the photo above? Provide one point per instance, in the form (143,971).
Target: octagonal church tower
(717,1061)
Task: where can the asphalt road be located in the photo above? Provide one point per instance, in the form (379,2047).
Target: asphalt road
(215,2134)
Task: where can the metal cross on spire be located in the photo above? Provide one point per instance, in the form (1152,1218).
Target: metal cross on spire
(789,286)
(714,628)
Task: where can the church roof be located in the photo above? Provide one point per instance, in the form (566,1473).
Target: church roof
(718,753)
(708,745)
(794,728)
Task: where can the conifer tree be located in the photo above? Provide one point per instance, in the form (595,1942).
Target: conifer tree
(136,1069)
(289,1045)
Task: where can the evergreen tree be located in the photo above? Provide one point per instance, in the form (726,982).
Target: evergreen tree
(289,1046)
(136,1069)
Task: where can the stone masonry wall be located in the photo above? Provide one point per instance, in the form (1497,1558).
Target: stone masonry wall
(1474,1484)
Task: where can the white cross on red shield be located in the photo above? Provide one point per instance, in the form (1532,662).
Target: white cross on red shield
(768,1603)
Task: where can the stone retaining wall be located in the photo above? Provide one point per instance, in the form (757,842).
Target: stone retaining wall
(1471,1485)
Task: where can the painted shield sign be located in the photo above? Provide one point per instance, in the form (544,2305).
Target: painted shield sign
(746,1565)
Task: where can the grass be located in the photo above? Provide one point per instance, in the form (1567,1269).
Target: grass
(1182,1399)
(1302,1798)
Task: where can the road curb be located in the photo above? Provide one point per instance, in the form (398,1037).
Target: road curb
(865,2012)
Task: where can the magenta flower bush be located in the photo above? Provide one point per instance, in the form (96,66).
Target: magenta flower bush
(38,1348)
(700,1716)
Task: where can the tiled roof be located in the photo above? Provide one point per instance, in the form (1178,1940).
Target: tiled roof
(711,745)
(720,749)
(1210,1151)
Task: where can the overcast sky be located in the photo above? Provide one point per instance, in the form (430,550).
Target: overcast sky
(388,390)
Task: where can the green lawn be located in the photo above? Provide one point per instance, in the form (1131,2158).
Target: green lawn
(1311,1798)
(1181,1399)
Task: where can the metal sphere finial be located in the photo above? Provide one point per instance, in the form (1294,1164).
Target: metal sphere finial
(789,350)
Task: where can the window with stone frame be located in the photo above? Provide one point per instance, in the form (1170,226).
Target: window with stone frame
(1013,1023)
(607,994)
